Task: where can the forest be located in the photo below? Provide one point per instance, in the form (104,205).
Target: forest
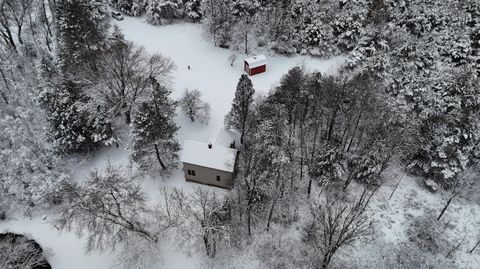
(330,162)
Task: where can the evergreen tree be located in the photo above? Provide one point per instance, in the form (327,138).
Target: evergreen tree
(239,115)
(154,143)
(130,7)
(81,37)
(192,9)
(163,11)
(73,130)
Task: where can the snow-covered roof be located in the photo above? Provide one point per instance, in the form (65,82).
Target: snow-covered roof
(217,157)
(226,137)
(256,61)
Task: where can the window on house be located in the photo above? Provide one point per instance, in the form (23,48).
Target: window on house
(193,172)
(218,178)
(189,172)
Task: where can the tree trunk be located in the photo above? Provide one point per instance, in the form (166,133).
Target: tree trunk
(9,38)
(349,180)
(301,168)
(47,23)
(159,158)
(19,35)
(4,96)
(248,220)
(326,260)
(454,248)
(354,131)
(395,188)
(309,188)
(446,205)
(128,116)
(241,136)
(476,245)
(330,127)
(270,214)
(246,41)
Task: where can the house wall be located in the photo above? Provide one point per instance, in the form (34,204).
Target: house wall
(259,69)
(208,176)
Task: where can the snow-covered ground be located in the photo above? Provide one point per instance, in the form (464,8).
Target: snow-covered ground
(210,72)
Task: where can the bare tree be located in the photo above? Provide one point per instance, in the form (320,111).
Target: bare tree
(206,219)
(5,27)
(17,11)
(19,252)
(194,107)
(128,71)
(110,207)
(336,225)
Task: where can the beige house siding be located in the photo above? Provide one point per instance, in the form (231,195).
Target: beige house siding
(205,175)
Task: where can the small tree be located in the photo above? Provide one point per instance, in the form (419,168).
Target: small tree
(193,106)
(336,225)
(239,115)
(232,58)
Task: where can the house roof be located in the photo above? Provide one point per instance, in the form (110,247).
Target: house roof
(226,137)
(256,61)
(218,157)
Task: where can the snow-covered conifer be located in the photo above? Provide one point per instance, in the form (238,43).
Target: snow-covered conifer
(155,147)
(239,114)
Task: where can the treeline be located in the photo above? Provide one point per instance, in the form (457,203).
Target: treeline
(320,28)
(427,55)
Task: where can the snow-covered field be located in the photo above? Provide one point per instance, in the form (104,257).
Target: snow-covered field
(210,73)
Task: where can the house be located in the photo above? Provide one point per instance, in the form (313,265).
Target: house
(255,65)
(211,163)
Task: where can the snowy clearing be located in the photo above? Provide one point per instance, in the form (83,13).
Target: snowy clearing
(210,73)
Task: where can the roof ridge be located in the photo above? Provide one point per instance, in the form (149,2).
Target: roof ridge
(206,144)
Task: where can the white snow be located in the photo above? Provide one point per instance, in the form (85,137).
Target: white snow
(210,72)
(256,61)
(226,137)
(215,157)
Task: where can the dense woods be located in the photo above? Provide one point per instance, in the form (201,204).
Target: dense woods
(314,149)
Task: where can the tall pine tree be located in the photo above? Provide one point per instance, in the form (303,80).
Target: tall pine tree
(80,36)
(238,116)
(154,143)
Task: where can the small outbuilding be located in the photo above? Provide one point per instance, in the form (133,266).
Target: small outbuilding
(211,163)
(255,65)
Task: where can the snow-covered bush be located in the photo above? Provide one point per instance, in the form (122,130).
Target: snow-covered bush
(428,234)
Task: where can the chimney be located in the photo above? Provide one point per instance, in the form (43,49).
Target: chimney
(209,145)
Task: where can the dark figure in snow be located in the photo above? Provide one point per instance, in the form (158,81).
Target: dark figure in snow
(189,67)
